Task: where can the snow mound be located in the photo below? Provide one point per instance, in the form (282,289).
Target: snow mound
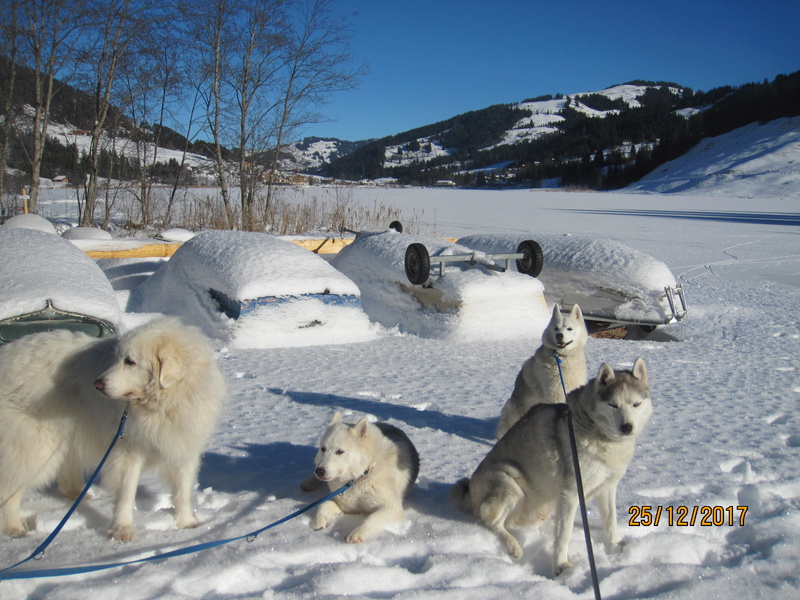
(465,303)
(85,233)
(177,234)
(36,267)
(244,266)
(30,221)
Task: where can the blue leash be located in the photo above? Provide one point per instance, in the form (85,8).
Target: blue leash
(58,572)
(39,552)
(579,483)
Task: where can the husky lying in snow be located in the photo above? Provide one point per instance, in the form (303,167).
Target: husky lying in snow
(539,382)
(529,472)
(380,457)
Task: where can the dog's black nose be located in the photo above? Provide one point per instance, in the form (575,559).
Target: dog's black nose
(320,472)
(626,428)
(99,385)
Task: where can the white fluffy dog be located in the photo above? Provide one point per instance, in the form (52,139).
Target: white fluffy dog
(383,461)
(62,395)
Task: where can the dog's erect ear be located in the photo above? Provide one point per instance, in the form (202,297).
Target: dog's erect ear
(361,428)
(558,316)
(576,313)
(639,370)
(605,375)
(337,418)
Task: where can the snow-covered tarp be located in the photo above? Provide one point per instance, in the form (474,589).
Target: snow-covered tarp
(606,278)
(470,301)
(36,267)
(242,266)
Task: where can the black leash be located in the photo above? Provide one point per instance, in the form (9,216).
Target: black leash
(579,483)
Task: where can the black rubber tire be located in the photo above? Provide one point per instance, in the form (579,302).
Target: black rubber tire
(397,226)
(418,264)
(532,261)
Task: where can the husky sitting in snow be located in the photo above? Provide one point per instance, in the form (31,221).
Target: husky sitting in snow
(538,381)
(383,461)
(529,473)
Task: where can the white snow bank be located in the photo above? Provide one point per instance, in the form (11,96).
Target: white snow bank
(250,266)
(30,221)
(584,270)
(177,234)
(467,302)
(752,161)
(36,266)
(85,233)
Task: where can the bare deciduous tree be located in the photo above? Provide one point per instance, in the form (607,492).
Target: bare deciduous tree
(317,59)
(260,69)
(112,28)
(9,49)
(49,31)
(151,86)
(211,28)
(266,82)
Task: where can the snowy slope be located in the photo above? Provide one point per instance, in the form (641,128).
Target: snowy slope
(67,135)
(744,162)
(311,153)
(544,113)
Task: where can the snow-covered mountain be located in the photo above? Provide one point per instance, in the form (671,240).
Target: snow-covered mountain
(544,114)
(541,117)
(312,152)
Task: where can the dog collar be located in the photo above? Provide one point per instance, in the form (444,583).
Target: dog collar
(364,474)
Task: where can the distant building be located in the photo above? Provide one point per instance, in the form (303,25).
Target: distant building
(298,179)
(444,183)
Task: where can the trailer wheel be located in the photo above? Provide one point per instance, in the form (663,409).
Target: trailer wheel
(397,226)
(418,263)
(532,260)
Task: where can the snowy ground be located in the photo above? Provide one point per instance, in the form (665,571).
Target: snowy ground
(725,432)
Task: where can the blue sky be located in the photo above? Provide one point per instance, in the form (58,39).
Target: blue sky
(432,59)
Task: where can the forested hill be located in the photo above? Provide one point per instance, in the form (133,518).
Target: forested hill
(601,140)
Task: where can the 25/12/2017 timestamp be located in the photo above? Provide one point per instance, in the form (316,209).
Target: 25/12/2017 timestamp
(686,516)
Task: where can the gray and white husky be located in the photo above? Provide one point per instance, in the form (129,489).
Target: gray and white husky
(538,381)
(529,473)
(383,461)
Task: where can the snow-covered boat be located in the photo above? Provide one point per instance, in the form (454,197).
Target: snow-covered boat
(615,285)
(255,290)
(49,283)
(466,295)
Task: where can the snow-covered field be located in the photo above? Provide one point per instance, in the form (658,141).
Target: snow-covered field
(725,433)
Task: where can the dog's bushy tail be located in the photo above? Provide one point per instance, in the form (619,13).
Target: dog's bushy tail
(459,494)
